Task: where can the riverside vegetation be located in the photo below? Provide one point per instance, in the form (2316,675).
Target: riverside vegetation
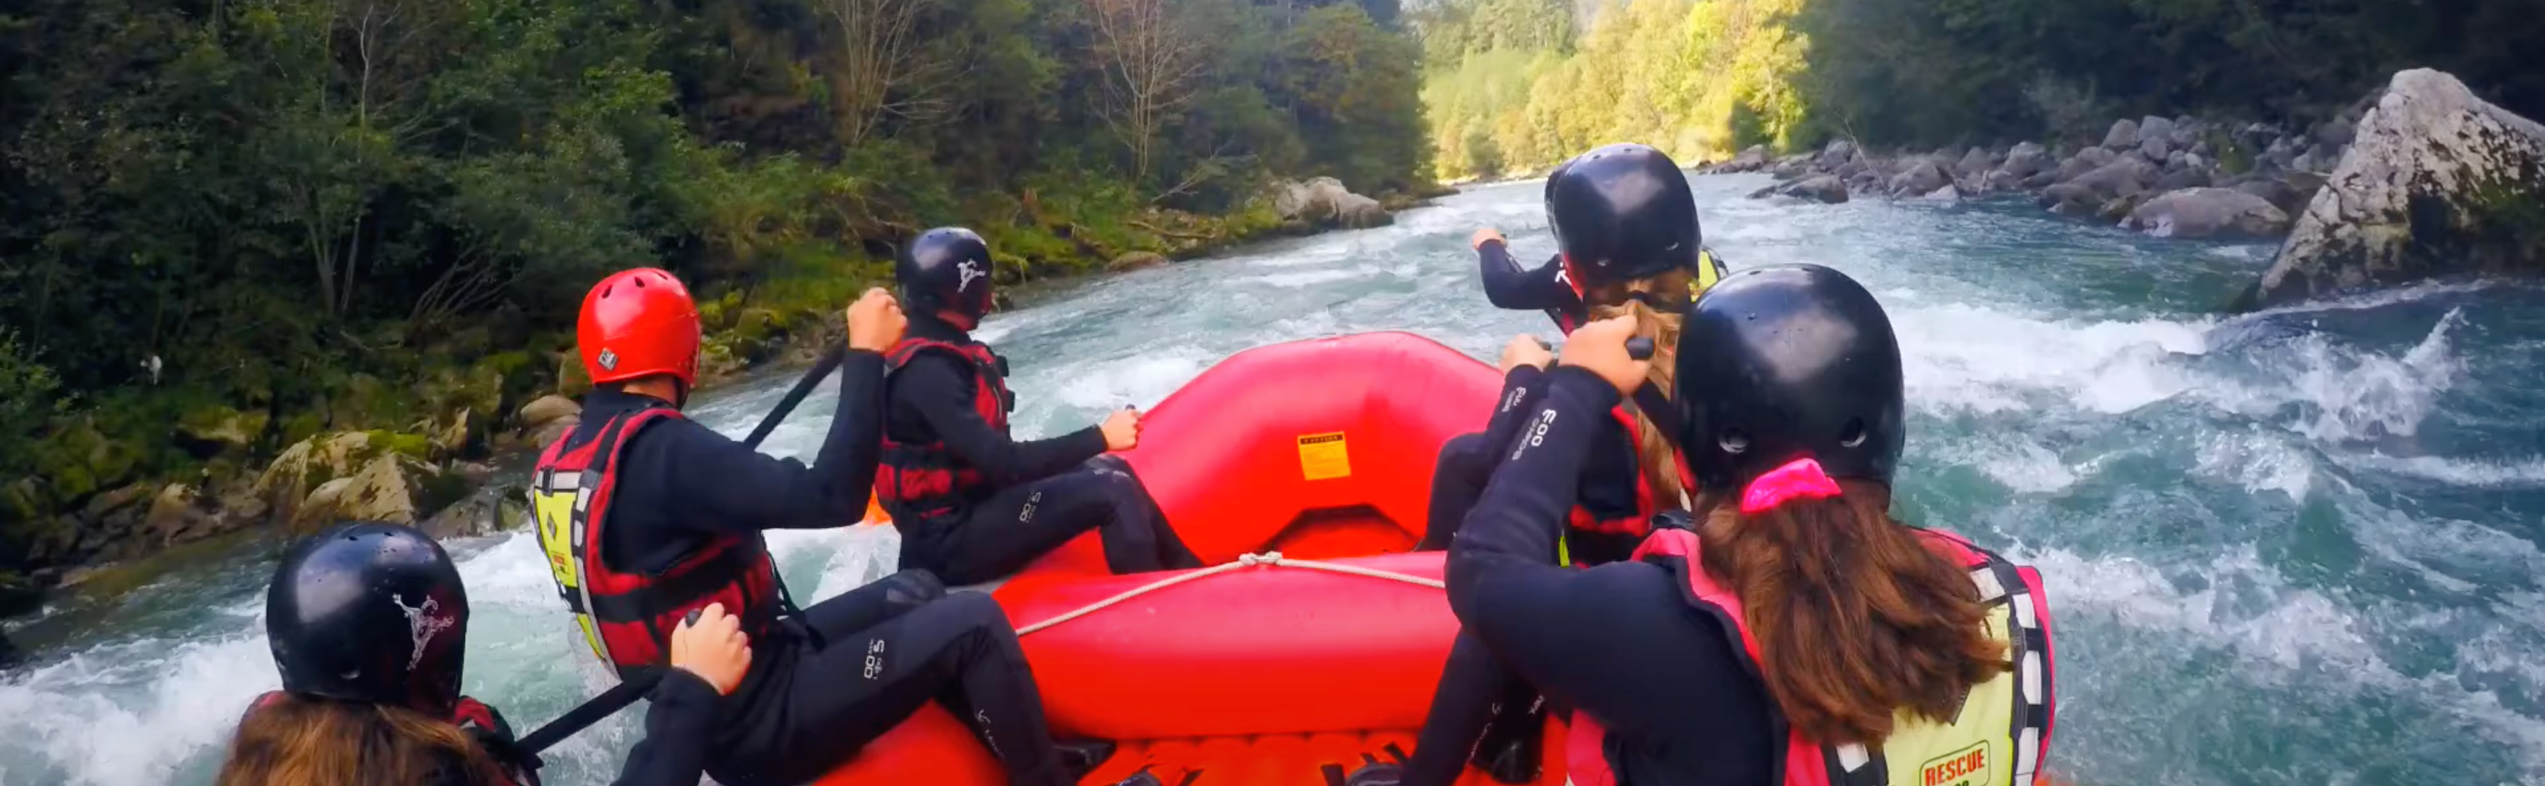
(288,260)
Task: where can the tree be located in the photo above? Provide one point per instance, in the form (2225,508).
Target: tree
(886,67)
(1153,68)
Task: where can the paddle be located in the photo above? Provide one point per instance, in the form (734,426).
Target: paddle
(619,696)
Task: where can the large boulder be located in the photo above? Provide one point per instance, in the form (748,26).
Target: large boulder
(2437,182)
(214,430)
(2123,136)
(2277,192)
(1324,201)
(345,474)
(1974,164)
(2025,160)
(544,410)
(1792,166)
(2156,137)
(2208,213)
(2084,161)
(2070,199)
(2001,180)
(1836,155)
(2180,179)
(1919,180)
(2123,177)
(1824,188)
(1752,159)
(490,509)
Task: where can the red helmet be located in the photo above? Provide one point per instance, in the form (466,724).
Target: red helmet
(639,323)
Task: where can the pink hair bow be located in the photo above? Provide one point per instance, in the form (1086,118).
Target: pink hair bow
(1798,479)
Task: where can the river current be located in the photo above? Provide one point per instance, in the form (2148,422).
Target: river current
(2298,547)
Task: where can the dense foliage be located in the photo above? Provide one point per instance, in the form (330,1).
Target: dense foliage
(1517,84)
(299,208)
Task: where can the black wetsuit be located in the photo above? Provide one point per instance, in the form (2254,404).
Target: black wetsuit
(1542,288)
(1479,704)
(680,719)
(1617,641)
(1046,491)
(850,668)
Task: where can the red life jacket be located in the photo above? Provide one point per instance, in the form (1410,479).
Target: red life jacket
(627,616)
(1636,522)
(924,480)
(1997,724)
(480,721)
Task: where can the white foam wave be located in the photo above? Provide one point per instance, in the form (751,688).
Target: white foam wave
(2258,461)
(2527,473)
(1964,357)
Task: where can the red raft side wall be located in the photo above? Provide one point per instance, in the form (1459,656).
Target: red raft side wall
(1223,458)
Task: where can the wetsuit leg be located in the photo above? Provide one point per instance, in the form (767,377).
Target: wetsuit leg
(1479,712)
(959,651)
(999,536)
(1458,478)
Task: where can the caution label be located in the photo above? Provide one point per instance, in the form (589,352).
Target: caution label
(1324,456)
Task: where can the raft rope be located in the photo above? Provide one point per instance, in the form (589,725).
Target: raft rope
(1244,561)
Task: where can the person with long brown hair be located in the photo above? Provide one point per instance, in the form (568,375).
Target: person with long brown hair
(1626,223)
(368,623)
(1793,632)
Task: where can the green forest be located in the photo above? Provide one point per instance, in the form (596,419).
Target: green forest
(228,225)
(1516,85)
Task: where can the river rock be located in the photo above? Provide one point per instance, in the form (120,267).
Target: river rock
(2123,136)
(2123,177)
(1792,166)
(488,510)
(1835,155)
(1135,260)
(1324,201)
(544,410)
(2336,132)
(1946,194)
(377,471)
(2042,179)
(2117,209)
(1824,188)
(2156,137)
(2437,182)
(382,489)
(2181,179)
(1974,163)
(2024,160)
(214,430)
(1750,159)
(1999,180)
(2275,191)
(2070,199)
(2208,213)
(1920,179)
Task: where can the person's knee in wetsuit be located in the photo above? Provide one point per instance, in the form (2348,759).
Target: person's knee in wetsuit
(369,624)
(1800,426)
(972,503)
(1625,222)
(646,515)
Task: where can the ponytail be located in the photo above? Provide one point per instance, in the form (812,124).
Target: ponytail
(1656,303)
(1857,617)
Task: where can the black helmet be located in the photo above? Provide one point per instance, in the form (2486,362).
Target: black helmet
(369,612)
(1783,362)
(1621,213)
(945,268)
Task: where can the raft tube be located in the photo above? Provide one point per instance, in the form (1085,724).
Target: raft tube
(1258,675)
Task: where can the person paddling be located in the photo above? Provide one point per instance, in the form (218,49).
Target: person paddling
(1790,632)
(646,515)
(972,503)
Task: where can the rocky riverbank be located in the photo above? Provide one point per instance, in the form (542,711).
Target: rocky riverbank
(441,449)
(2173,177)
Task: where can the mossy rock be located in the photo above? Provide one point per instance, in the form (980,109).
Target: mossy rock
(757,325)
(302,425)
(22,501)
(711,315)
(217,429)
(416,446)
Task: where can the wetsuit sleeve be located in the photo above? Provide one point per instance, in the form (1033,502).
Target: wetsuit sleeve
(1521,391)
(936,386)
(1508,285)
(678,725)
(1597,637)
(720,483)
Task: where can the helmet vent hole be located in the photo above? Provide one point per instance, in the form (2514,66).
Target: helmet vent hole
(1854,435)
(1733,441)
(605,291)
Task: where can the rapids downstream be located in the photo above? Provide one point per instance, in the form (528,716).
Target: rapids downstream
(2300,547)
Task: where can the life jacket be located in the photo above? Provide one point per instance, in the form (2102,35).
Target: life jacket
(920,480)
(627,616)
(1998,738)
(481,722)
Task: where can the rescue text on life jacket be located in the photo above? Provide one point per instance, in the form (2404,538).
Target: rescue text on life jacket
(1998,738)
(627,616)
(917,481)
(481,722)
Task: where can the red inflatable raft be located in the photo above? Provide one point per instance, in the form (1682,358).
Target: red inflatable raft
(1252,675)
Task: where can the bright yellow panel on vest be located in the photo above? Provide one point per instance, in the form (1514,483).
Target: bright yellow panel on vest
(1975,749)
(1966,767)
(1324,456)
(555,511)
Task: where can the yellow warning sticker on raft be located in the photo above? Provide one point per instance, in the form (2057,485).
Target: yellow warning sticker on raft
(1324,456)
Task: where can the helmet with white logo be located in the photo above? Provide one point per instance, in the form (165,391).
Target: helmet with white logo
(370,612)
(946,269)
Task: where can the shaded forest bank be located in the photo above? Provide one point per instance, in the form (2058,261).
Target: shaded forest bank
(351,234)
